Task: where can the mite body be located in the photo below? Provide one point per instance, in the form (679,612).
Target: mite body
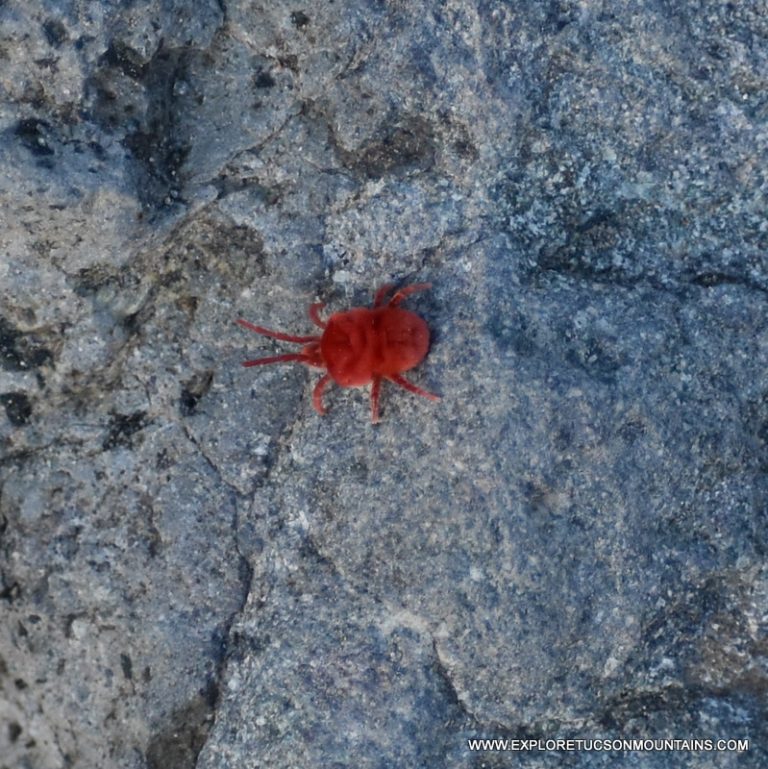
(361,346)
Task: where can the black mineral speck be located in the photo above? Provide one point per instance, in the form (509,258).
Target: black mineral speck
(127,665)
(55,32)
(10,591)
(192,391)
(122,428)
(177,744)
(299,19)
(32,133)
(17,408)
(20,351)
(264,80)
(126,59)
(404,148)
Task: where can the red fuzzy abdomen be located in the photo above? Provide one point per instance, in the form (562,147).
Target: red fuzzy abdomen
(361,343)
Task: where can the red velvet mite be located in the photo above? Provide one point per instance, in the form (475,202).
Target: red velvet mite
(360,346)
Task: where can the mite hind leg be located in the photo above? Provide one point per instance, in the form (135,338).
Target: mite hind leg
(411,387)
(375,392)
(290,356)
(317,394)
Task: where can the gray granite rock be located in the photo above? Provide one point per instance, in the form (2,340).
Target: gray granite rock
(198,570)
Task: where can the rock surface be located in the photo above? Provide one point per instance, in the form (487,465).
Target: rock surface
(196,569)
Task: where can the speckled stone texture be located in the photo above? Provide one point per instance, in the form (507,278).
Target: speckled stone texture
(196,570)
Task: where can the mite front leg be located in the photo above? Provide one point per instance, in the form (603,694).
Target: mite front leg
(407,291)
(378,299)
(314,314)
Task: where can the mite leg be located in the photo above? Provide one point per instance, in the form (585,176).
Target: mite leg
(403,382)
(317,394)
(375,390)
(378,300)
(291,356)
(276,334)
(407,291)
(314,314)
